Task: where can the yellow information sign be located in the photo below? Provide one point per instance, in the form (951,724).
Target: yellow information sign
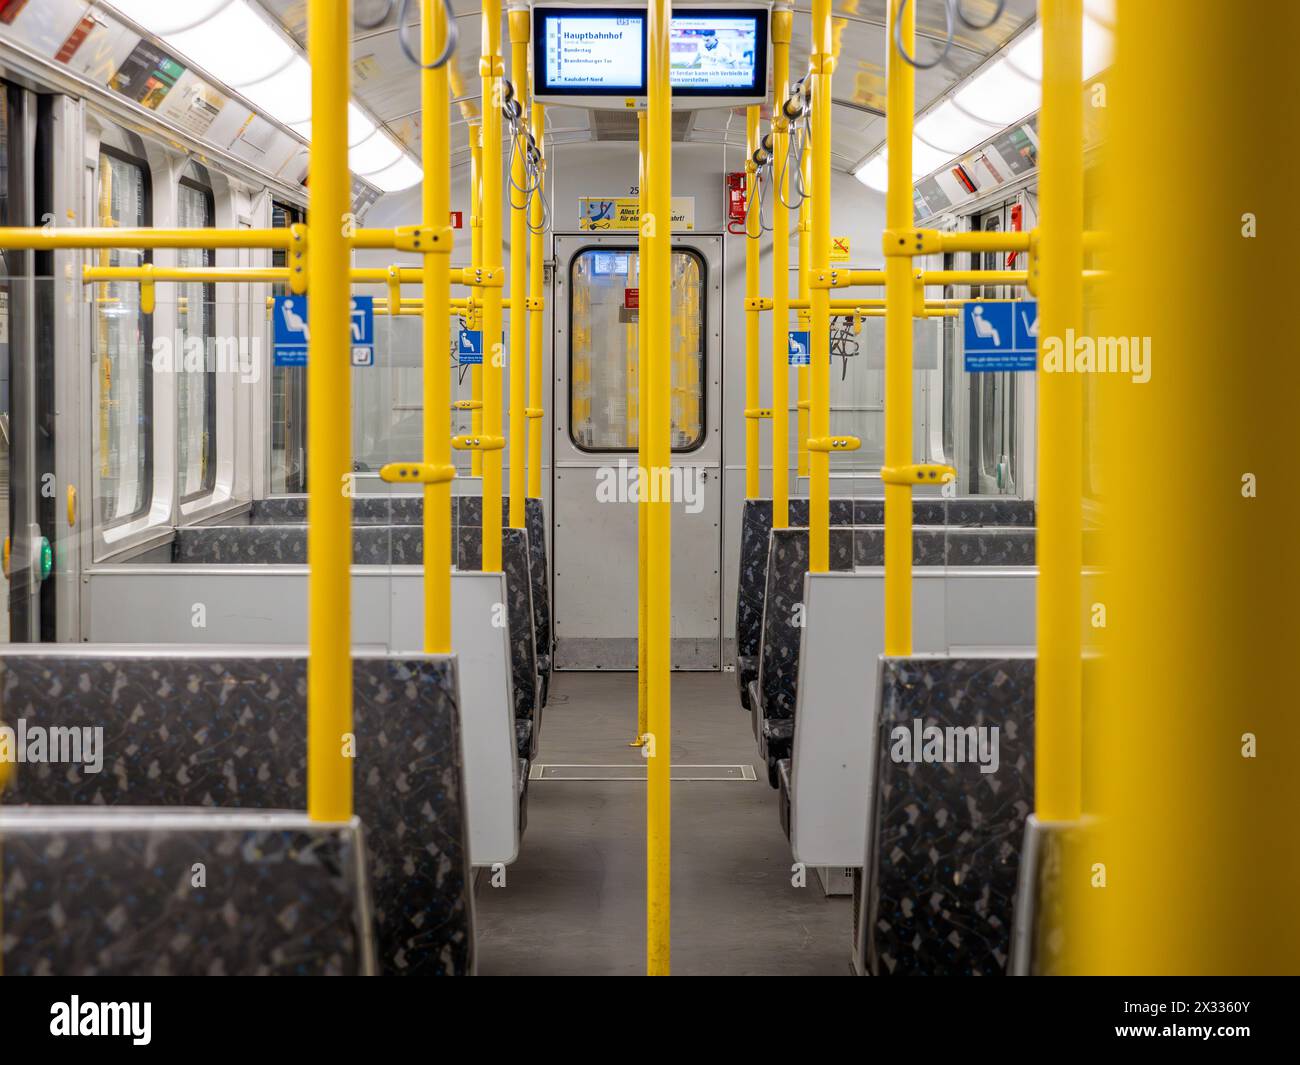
(624,213)
(839,249)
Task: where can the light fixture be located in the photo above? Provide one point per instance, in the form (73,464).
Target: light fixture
(1026,55)
(286,95)
(359,127)
(874,173)
(167,16)
(1098,48)
(401,175)
(925,159)
(377,152)
(999,96)
(953,130)
(238,46)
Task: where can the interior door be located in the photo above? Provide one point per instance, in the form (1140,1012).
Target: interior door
(596,426)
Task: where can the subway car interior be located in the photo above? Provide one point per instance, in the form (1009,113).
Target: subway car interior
(911,591)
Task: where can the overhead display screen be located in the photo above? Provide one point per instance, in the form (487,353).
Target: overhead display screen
(591,54)
(718,53)
(584,55)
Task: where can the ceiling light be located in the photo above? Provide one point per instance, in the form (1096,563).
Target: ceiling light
(999,96)
(1098,48)
(167,16)
(285,95)
(1026,55)
(953,130)
(401,175)
(874,173)
(236,45)
(377,152)
(925,159)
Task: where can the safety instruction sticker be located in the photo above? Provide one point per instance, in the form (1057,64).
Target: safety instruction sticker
(624,213)
(799,346)
(1000,337)
(292,335)
(469,347)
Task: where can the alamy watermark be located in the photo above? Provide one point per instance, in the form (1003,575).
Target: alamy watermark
(664,484)
(37,744)
(1086,354)
(237,356)
(954,744)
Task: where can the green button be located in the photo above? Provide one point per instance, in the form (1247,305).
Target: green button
(47,558)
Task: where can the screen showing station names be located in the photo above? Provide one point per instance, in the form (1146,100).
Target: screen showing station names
(594,53)
(712,53)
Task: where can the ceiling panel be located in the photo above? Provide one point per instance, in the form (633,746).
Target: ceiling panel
(387,84)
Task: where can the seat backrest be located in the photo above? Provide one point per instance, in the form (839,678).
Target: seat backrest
(227,729)
(515,563)
(947,821)
(132,891)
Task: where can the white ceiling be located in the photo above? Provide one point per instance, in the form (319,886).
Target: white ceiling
(387,84)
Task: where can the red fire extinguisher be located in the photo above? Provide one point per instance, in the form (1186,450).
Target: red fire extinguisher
(736,203)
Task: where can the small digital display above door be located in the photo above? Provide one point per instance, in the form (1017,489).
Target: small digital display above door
(586,52)
(718,53)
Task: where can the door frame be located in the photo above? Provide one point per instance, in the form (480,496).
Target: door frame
(708,455)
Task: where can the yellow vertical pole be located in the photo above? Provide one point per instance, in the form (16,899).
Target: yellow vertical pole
(819,422)
(644,408)
(329,415)
(805,262)
(658,431)
(782,19)
(435,104)
(492,71)
(476,260)
(536,303)
(520,18)
(1058,676)
(900,110)
(752,234)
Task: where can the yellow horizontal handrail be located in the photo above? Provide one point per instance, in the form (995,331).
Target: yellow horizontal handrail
(53,238)
(406,275)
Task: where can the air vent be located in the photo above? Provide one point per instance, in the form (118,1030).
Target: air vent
(621,125)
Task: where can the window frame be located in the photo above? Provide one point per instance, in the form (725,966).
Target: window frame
(120,521)
(210,371)
(703,264)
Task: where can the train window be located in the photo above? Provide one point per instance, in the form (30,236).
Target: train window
(603,349)
(123,340)
(196,379)
(288,393)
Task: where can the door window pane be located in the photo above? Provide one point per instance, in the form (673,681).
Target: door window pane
(195,363)
(604,400)
(122,340)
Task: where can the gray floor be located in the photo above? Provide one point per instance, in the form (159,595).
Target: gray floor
(574,902)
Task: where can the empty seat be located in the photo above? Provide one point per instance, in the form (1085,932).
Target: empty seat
(137,891)
(206,728)
(945,834)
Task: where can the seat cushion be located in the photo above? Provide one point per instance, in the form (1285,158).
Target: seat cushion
(523,737)
(755,710)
